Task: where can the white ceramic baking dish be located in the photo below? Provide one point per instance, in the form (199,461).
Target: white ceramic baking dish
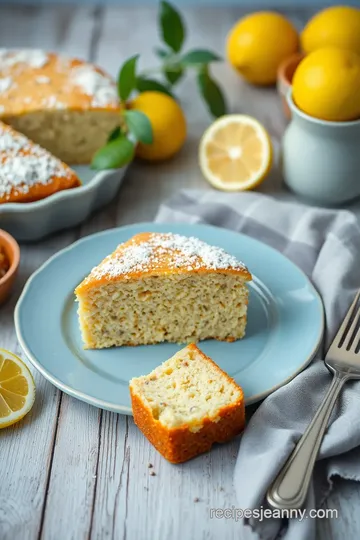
(32,221)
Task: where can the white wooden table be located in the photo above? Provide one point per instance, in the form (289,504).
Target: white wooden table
(70,471)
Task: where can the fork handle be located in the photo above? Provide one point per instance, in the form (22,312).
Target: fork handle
(290,487)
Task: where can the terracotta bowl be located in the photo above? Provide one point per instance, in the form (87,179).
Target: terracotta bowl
(285,75)
(12,251)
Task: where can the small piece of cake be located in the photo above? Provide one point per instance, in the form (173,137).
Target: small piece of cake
(66,105)
(27,171)
(186,405)
(163,287)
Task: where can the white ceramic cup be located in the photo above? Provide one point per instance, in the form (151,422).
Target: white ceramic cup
(321,159)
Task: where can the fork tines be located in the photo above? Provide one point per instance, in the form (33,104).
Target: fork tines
(348,335)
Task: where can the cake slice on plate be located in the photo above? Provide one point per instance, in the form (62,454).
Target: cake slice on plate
(66,105)
(186,405)
(163,287)
(27,171)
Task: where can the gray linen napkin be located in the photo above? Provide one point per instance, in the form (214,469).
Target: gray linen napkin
(326,245)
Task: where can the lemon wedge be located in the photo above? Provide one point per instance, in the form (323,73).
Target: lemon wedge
(17,389)
(235,153)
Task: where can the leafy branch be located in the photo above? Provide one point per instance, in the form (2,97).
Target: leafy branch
(134,126)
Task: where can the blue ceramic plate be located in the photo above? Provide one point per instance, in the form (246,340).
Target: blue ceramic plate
(285,322)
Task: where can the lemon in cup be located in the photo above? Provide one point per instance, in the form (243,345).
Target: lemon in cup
(326,85)
(336,26)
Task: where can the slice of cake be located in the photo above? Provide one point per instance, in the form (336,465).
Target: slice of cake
(66,105)
(163,287)
(186,405)
(27,171)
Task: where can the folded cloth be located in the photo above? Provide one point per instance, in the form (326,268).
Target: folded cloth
(325,244)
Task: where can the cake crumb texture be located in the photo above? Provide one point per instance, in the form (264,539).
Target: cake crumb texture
(187,404)
(163,287)
(66,105)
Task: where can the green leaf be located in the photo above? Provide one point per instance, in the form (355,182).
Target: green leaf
(127,78)
(172,26)
(114,154)
(173,74)
(162,53)
(199,56)
(114,134)
(211,93)
(139,125)
(144,85)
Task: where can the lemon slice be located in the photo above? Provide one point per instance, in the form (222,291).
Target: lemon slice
(17,389)
(235,153)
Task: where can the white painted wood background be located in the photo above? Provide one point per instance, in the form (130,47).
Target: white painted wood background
(70,471)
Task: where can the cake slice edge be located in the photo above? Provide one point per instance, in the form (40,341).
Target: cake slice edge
(179,443)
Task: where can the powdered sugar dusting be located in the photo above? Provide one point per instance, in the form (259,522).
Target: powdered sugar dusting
(50,81)
(22,172)
(24,164)
(174,250)
(42,79)
(52,102)
(5,84)
(96,85)
(11,143)
(34,58)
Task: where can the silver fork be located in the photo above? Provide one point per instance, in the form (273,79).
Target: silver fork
(290,487)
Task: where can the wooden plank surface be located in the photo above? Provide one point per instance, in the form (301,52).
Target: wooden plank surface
(71,471)
(27,449)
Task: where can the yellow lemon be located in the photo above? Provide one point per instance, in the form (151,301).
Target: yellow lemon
(337,26)
(168,124)
(235,153)
(326,85)
(17,389)
(258,43)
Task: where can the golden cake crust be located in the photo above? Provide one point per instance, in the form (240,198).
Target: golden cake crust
(34,80)
(179,444)
(28,172)
(159,254)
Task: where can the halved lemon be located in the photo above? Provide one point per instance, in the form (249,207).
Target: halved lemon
(235,153)
(17,389)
